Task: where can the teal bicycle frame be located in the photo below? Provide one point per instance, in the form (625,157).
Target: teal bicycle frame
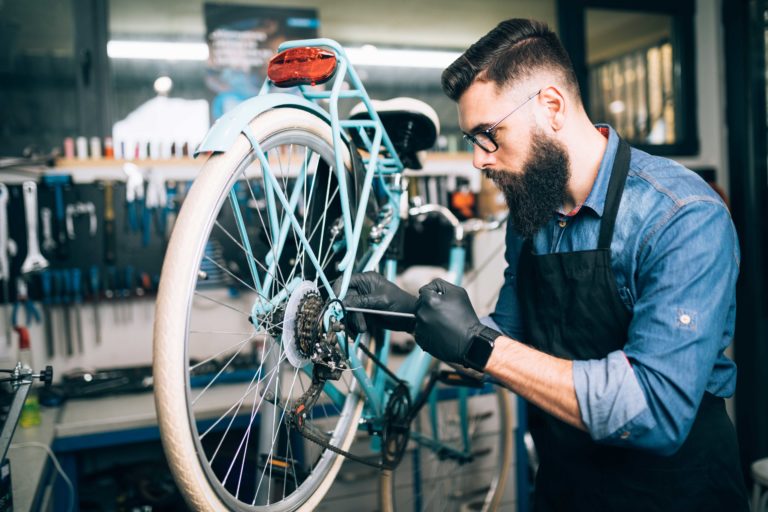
(383,164)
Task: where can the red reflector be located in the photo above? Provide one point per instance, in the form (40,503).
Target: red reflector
(301,66)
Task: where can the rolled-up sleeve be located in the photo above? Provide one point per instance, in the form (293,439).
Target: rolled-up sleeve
(647,395)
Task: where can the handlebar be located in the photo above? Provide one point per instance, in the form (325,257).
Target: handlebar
(460,229)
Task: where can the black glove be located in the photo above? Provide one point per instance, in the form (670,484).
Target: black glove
(447,325)
(371,290)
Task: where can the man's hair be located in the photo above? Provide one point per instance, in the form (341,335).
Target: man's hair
(512,51)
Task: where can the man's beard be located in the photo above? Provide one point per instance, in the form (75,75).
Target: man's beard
(540,189)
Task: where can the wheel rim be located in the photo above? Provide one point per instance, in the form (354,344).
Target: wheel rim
(231,443)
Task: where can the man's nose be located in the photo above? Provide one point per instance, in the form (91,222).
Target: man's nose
(481,158)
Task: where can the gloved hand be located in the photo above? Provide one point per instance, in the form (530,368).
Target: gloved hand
(446,323)
(371,290)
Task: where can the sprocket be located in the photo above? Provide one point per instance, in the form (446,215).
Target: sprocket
(396,427)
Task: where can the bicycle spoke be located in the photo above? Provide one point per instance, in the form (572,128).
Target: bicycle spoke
(271,225)
(211,358)
(231,237)
(238,402)
(194,401)
(199,294)
(246,243)
(230,273)
(270,457)
(270,233)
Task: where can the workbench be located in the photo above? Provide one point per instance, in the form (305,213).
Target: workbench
(124,425)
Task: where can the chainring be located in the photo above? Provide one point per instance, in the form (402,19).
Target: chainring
(397,426)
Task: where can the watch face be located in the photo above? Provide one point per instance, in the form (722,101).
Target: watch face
(478,353)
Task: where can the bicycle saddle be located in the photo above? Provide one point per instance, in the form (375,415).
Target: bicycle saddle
(412,126)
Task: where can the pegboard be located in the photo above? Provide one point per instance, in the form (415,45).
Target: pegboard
(80,247)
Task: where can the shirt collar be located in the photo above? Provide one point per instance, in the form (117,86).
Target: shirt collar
(596,198)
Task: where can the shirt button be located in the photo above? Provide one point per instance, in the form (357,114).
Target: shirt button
(625,434)
(562,223)
(685,319)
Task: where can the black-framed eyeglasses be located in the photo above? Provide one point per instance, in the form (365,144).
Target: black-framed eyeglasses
(484,138)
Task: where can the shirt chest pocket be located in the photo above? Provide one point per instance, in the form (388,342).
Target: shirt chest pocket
(626,297)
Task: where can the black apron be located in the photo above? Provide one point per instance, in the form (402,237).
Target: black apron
(571,309)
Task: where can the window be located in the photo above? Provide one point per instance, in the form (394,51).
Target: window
(634,61)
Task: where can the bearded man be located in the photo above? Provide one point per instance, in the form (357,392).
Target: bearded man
(618,299)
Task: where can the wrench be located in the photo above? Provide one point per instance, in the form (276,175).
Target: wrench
(48,243)
(34,262)
(5,271)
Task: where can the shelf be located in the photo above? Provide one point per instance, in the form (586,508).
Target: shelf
(88,171)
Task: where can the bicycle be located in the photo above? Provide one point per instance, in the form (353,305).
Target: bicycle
(259,411)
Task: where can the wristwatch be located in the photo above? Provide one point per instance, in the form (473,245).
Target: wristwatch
(480,348)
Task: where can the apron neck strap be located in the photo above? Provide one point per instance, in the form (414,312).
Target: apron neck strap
(613,195)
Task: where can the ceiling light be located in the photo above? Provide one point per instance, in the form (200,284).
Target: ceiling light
(163,85)
(367,55)
(157,50)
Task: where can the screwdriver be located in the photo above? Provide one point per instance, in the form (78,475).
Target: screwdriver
(95,291)
(77,298)
(379,312)
(46,280)
(65,288)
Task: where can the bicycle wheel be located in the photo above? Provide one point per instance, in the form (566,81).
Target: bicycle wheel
(436,473)
(237,277)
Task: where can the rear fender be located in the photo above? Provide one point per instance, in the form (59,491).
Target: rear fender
(226,129)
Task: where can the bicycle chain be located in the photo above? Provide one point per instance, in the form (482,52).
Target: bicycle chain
(307,332)
(310,307)
(328,446)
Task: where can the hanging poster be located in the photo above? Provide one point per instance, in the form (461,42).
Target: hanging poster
(241,40)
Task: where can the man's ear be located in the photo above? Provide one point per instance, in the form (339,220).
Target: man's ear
(554,103)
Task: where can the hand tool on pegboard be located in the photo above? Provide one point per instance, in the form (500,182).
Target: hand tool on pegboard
(34,262)
(46,215)
(46,286)
(134,195)
(154,206)
(31,315)
(57,182)
(77,209)
(65,290)
(94,275)
(110,240)
(111,291)
(77,299)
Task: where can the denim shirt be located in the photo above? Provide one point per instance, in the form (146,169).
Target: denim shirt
(675,256)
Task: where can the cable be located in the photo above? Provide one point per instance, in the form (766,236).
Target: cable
(33,444)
